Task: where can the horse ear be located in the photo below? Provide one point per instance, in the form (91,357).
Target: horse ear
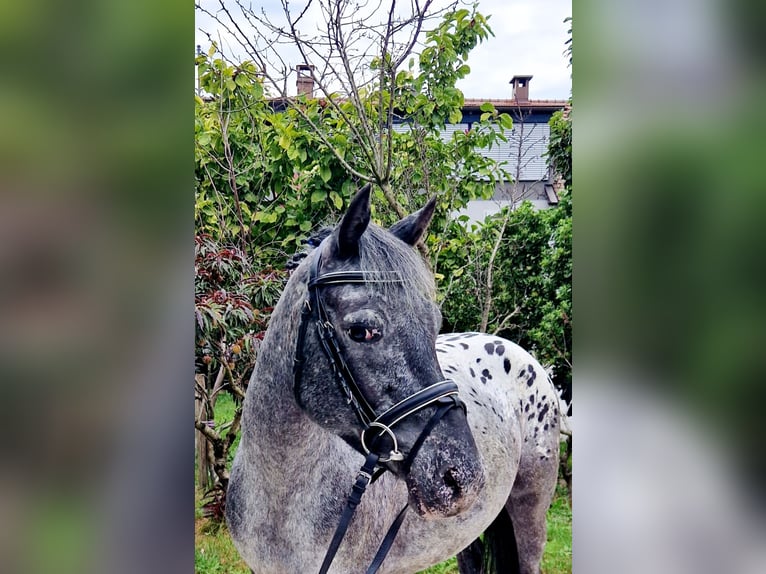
(411,228)
(354,223)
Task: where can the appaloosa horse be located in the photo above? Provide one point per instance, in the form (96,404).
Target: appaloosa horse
(351,372)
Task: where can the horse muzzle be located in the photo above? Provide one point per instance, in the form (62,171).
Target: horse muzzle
(446,477)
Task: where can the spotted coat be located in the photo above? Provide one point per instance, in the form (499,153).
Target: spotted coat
(475,360)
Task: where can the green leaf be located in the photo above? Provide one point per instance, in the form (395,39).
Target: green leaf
(325,173)
(305,225)
(348,188)
(455,116)
(318,196)
(337,200)
(505,121)
(487,107)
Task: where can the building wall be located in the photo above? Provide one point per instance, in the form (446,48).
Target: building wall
(478,210)
(522,156)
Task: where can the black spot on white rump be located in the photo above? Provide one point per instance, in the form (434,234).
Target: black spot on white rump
(542,414)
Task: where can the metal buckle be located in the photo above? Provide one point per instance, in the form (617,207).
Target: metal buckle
(395,455)
(366,475)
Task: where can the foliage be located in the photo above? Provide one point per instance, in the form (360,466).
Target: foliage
(425,163)
(560,145)
(270,171)
(263,180)
(568,43)
(531,295)
(232,304)
(214,503)
(531,288)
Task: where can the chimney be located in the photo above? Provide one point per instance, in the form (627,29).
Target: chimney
(520,88)
(305,81)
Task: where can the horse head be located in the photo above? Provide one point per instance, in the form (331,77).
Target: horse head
(383,325)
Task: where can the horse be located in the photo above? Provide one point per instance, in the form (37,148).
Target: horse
(354,335)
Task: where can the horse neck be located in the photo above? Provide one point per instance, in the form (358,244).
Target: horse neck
(272,417)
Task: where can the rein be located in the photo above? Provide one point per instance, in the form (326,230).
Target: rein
(443,395)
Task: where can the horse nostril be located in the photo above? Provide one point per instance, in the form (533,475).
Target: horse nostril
(451,481)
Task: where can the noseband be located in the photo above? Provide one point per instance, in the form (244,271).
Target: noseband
(443,395)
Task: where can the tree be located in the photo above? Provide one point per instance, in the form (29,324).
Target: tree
(273,167)
(370,80)
(232,303)
(269,170)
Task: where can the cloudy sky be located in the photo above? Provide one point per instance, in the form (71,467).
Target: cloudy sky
(529,39)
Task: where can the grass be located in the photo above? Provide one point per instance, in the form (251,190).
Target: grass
(557,558)
(214,552)
(224,414)
(447,567)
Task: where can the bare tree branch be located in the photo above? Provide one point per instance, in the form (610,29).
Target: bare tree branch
(490,269)
(344,48)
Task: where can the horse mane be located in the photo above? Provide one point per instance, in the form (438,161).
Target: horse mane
(380,252)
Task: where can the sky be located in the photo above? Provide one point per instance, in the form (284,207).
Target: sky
(529,39)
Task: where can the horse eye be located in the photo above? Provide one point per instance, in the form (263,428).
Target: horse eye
(362,334)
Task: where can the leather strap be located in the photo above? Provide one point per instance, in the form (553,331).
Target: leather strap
(447,406)
(419,400)
(388,541)
(357,490)
(367,474)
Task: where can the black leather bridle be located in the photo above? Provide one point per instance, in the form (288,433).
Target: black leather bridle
(443,395)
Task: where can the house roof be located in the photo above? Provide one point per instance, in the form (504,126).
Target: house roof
(511,104)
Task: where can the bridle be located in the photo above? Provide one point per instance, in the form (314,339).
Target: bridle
(442,395)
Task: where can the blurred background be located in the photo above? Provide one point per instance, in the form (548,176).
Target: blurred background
(670,374)
(96,286)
